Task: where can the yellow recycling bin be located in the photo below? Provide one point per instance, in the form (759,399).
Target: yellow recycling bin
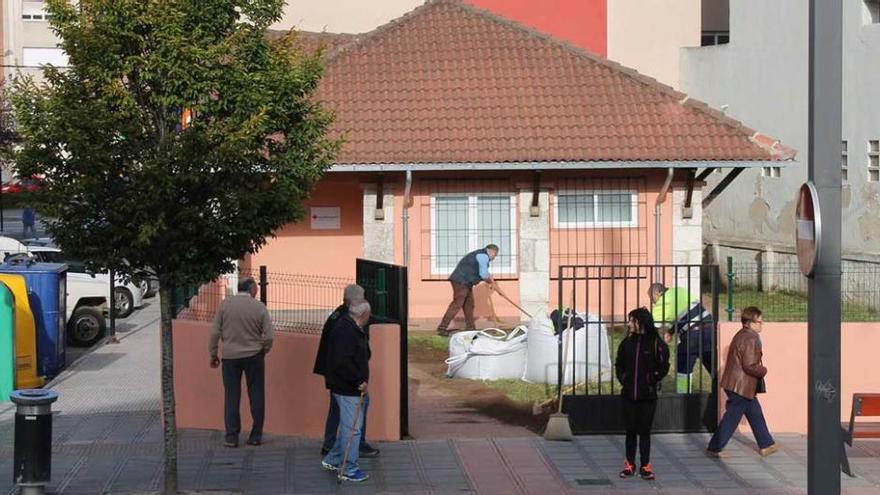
(25,335)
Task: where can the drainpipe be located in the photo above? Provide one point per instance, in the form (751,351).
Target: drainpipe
(661,198)
(405,216)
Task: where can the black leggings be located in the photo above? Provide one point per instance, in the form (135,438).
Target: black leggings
(638,416)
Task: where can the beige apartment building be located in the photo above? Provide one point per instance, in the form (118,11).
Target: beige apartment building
(27,40)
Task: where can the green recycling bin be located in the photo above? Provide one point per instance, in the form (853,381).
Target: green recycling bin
(7,342)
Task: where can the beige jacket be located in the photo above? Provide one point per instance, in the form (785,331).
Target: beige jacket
(244,326)
(744,364)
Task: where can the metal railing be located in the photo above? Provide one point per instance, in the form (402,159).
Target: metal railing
(296,302)
(780,290)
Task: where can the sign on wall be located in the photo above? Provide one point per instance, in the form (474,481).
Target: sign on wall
(808,231)
(326,217)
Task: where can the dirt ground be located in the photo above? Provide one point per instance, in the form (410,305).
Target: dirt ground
(458,408)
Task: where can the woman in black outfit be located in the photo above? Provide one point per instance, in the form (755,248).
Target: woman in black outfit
(642,362)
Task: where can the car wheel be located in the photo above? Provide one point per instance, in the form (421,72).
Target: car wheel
(86,327)
(124,302)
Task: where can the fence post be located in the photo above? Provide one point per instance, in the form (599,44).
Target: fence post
(730,276)
(263,284)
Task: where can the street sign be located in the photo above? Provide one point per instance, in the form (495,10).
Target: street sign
(808,231)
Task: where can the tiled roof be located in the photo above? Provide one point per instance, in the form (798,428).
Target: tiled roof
(450,83)
(312,41)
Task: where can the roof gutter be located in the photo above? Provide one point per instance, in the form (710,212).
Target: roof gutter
(561,165)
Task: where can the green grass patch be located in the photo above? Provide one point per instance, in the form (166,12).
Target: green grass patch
(784,305)
(427,341)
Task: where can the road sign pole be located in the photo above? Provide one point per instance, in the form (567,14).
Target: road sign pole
(823,383)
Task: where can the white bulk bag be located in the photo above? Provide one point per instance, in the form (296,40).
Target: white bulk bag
(543,352)
(489,354)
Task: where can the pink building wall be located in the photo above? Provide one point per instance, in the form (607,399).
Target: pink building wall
(581,22)
(296,400)
(785,355)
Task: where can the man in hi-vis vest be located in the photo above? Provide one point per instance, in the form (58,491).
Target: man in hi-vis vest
(677,312)
(472,269)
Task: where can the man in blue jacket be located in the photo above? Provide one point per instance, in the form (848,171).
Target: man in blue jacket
(347,375)
(472,269)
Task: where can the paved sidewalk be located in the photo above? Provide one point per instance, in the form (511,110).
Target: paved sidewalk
(108,440)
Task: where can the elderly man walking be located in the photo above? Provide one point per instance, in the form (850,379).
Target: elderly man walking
(743,379)
(352,294)
(348,372)
(244,326)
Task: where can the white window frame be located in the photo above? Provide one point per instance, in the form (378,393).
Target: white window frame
(634,206)
(473,233)
(55,52)
(874,152)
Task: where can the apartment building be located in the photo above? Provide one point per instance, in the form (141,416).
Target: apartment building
(28,42)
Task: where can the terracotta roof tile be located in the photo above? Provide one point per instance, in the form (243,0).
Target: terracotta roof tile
(451,83)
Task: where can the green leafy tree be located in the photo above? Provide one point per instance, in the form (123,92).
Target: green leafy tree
(127,186)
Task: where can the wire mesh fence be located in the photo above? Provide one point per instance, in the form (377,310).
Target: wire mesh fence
(296,302)
(780,290)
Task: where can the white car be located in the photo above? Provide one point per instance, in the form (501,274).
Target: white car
(128,295)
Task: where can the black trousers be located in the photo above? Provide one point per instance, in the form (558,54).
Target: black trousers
(638,416)
(254,370)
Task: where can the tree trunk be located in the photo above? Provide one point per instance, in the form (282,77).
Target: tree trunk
(168,406)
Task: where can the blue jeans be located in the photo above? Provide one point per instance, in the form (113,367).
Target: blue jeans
(737,406)
(332,423)
(350,427)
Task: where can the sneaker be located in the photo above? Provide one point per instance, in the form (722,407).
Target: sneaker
(629,469)
(368,450)
(256,442)
(443,332)
(329,467)
(357,476)
(230,444)
(646,472)
(769,450)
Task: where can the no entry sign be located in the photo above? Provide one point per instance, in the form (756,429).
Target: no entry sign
(808,231)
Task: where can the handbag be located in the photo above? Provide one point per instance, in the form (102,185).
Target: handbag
(761,388)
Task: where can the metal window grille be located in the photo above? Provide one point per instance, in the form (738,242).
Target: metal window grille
(874,160)
(458,217)
(844,160)
(598,221)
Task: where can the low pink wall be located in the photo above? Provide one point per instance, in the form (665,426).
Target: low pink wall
(296,400)
(785,356)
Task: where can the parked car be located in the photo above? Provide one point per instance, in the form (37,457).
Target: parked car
(128,295)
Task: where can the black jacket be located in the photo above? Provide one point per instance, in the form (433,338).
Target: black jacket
(642,362)
(348,357)
(321,358)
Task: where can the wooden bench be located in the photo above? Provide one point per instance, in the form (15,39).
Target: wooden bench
(863,405)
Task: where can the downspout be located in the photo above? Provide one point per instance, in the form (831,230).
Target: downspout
(405,216)
(661,198)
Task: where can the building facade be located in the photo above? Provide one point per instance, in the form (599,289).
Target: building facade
(28,41)
(761,77)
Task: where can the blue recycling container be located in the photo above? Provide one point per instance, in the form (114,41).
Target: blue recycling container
(47,294)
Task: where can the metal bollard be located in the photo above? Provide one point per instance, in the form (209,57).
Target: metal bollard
(32,465)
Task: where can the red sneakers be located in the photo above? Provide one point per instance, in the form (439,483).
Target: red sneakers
(629,469)
(646,472)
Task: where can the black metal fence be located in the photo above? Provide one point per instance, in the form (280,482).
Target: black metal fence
(296,302)
(780,290)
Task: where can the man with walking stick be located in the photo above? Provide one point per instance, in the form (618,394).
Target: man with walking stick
(347,374)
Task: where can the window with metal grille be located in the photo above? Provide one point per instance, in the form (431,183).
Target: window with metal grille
(771,171)
(596,209)
(462,217)
(844,160)
(711,38)
(874,160)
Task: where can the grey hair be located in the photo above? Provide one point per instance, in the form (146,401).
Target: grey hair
(352,293)
(247,284)
(359,309)
(656,287)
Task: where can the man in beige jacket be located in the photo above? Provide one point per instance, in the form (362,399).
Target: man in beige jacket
(244,326)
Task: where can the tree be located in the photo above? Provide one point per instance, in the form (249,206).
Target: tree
(128,186)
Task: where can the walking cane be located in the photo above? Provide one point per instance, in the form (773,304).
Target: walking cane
(357,416)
